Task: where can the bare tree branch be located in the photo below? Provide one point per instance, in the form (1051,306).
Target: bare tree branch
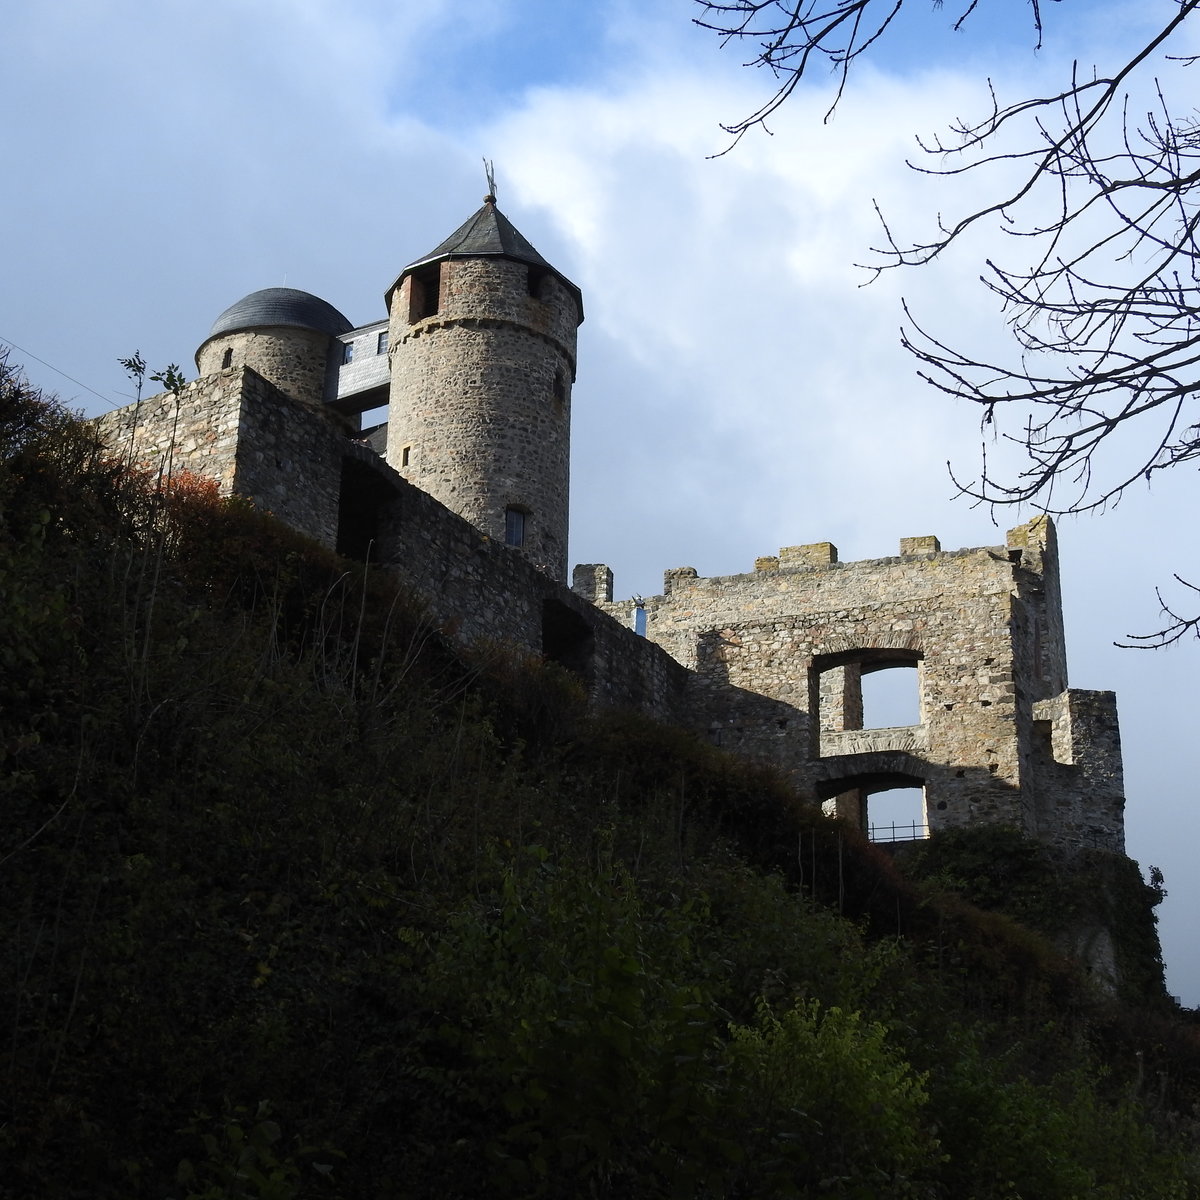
(1101,197)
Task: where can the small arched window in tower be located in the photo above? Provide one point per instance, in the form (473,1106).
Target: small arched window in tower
(424,296)
(536,282)
(514,526)
(227,358)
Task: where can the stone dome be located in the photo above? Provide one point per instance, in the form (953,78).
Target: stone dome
(281,306)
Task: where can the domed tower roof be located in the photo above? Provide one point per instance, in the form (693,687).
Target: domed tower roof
(281,306)
(488,233)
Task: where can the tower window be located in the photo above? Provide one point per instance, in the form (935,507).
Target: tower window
(424,297)
(227,358)
(347,353)
(560,389)
(536,282)
(514,526)
(381,343)
(405,456)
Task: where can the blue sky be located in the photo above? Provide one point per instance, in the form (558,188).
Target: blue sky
(738,390)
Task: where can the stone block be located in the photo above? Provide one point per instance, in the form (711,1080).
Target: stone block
(815,554)
(920,545)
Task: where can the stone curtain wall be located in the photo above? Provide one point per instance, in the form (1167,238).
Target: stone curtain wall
(289,458)
(481,399)
(237,429)
(202,426)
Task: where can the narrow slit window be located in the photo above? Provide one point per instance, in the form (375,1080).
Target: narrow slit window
(405,456)
(227,358)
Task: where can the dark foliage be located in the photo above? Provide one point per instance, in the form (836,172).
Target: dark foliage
(300,901)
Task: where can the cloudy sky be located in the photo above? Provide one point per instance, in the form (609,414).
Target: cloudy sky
(739,390)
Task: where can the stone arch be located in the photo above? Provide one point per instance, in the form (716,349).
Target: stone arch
(847,789)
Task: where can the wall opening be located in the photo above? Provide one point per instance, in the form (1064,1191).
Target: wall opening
(567,638)
(361,499)
(536,282)
(866,689)
(887,805)
(896,814)
(424,293)
(227,358)
(890,695)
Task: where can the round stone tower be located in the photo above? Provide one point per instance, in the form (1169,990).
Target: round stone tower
(284,334)
(481,339)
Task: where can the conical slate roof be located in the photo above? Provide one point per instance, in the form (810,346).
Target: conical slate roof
(488,233)
(281,306)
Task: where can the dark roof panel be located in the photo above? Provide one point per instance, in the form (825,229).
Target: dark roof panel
(281,306)
(488,232)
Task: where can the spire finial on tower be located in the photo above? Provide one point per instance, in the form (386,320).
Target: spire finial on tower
(489,171)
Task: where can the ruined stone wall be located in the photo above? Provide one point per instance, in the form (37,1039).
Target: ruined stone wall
(1077,776)
(481,396)
(981,630)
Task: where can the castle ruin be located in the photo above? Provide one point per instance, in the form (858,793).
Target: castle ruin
(463,494)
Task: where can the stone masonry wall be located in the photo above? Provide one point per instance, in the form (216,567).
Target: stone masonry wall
(198,431)
(295,360)
(237,429)
(291,459)
(982,629)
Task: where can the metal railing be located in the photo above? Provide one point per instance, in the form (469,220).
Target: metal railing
(898,833)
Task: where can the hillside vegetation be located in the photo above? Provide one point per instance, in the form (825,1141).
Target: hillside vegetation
(300,899)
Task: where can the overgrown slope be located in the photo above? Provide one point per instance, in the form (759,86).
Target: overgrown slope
(301,900)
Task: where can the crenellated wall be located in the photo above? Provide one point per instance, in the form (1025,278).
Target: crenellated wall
(979,631)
